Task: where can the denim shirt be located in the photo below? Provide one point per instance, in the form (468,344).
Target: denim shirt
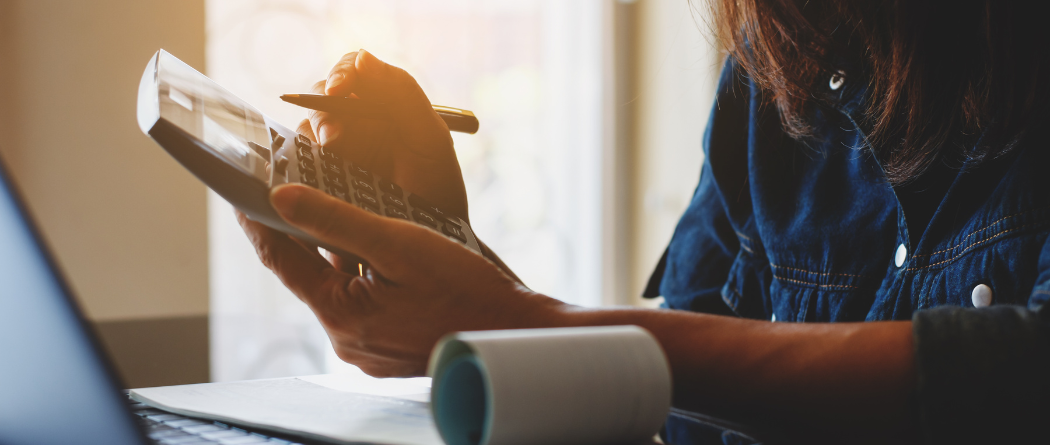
(811,231)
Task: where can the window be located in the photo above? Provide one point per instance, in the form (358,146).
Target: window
(535,73)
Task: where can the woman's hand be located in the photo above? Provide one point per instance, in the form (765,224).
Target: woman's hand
(419,287)
(414,149)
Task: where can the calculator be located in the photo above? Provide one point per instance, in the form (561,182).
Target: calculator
(241,154)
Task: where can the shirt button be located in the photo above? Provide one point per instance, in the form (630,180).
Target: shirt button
(900,256)
(836,81)
(981,295)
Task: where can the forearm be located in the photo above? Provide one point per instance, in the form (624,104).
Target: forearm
(847,380)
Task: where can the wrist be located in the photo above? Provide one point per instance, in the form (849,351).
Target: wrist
(541,311)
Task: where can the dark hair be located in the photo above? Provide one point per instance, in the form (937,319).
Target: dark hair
(943,77)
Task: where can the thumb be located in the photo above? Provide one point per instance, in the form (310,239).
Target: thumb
(342,225)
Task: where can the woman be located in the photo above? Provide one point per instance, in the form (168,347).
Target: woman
(866,162)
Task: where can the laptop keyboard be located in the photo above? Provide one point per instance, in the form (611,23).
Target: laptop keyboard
(172,429)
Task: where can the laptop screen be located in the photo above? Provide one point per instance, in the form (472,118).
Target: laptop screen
(55,387)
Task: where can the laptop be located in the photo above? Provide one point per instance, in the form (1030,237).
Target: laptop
(56,386)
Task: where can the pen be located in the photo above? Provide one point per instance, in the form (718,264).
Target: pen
(459,120)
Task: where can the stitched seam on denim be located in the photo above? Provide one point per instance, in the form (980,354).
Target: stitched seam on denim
(844,286)
(776,266)
(974,245)
(742,236)
(1041,292)
(748,249)
(963,241)
(725,298)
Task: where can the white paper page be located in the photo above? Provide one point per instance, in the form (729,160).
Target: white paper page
(416,389)
(304,409)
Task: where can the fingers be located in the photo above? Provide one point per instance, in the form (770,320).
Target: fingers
(373,80)
(341,76)
(343,225)
(302,271)
(325,126)
(341,264)
(364,137)
(380,82)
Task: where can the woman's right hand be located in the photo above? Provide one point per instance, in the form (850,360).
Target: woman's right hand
(413,149)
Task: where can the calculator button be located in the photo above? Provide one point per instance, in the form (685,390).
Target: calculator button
(332,167)
(328,154)
(307,165)
(281,166)
(359,172)
(339,193)
(395,213)
(425,218)
(306,154)
(335,177)
(309,179)
(453,230)
(336,185)
(278,142)
(390,188)
(391,200)
(367,200)
(422,204)
(364,186)
(418,201)
(302,142)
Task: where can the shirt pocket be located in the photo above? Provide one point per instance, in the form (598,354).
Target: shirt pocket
(805,295)
(1009,267)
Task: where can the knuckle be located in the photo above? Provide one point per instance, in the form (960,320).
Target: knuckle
(402,75)
(329,320)
(408,85)
(266,254)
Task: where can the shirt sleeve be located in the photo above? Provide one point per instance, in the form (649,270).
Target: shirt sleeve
(695,266)
(983,374)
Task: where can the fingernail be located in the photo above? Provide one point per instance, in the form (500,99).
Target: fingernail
(285,198)
(333,82)
(328,133)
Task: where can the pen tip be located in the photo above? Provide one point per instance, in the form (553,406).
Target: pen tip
(289,96)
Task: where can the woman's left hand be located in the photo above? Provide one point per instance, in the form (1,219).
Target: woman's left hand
(419,287)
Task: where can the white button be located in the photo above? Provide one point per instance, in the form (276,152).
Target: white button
(981,295)
(900,256)
(836,81)
(774,319)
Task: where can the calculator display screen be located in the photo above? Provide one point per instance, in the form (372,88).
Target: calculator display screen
(225,123)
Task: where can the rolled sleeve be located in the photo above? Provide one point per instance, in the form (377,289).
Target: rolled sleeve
(982,374)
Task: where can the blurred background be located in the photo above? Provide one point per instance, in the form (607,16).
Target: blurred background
(591,117)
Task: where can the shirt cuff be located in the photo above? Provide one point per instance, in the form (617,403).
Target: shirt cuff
(983,375)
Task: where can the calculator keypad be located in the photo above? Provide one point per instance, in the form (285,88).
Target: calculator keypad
(326,170)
